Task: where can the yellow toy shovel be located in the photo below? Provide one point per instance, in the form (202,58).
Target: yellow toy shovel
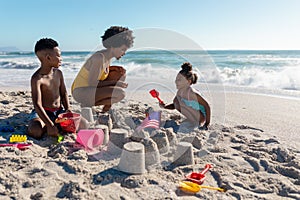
(188,186)
(59,120)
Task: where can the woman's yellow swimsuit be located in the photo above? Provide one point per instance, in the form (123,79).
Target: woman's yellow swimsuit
(82,78)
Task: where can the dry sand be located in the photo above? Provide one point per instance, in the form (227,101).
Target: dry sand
(254,153)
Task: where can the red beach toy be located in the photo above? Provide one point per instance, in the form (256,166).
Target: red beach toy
(155,94)
(197,177)
(19,146)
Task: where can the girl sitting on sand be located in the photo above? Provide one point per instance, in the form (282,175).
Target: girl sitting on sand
(188,101)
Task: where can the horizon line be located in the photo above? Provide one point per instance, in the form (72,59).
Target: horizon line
(29,51)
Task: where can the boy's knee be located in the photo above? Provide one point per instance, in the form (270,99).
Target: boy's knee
(35,130)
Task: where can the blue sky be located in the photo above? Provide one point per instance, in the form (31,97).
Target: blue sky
(212,24)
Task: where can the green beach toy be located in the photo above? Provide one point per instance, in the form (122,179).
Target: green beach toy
(60,138)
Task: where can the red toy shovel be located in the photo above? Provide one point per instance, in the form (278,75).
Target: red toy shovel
(155,94)
(197,177)
(19,146)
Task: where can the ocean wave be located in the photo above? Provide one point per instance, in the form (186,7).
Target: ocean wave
(17,53)
(150,72)
(18,65)
(287,78)
(260,69)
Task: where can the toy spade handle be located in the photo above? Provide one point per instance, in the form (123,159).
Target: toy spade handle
(19,146)
(160,101)
(212,188)
(207,167)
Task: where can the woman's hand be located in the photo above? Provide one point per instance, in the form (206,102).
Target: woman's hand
(122,84)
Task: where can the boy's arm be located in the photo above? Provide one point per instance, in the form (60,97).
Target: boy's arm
(37,103)
(63,93)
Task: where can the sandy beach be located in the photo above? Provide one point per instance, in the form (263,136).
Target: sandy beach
(254,152)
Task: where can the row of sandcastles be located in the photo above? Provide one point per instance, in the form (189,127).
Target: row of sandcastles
(141,150)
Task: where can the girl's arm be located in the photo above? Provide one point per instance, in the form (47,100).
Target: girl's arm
(203,102)
(170,106)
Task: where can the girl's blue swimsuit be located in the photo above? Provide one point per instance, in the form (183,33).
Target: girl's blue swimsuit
(194,104)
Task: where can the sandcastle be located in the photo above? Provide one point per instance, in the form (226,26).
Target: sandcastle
(139,151)
(143,150)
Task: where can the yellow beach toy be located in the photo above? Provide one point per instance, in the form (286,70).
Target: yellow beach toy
(59,120)
(190,187)
(17,138)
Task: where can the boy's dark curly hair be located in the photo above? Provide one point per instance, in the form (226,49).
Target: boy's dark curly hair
(186,71)
(117,36)
(45,43)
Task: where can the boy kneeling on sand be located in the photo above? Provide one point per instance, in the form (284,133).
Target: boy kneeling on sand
(49,94)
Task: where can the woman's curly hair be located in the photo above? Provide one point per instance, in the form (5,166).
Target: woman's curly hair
(116,36)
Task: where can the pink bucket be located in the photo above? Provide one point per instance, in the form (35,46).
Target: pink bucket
(90,138)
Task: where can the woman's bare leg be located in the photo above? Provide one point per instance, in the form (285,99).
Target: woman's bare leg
(109,95)
(85,96)
(106,96)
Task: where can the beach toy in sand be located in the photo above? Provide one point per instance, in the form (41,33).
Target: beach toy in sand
(60,138)
(18,145)
(154,93)
(18,138)
(90,138)
(191,187)
(199,177)
(69,122)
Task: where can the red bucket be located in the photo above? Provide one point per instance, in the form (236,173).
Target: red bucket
(69,122)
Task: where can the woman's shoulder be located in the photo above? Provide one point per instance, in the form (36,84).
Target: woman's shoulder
(95,59)
(98,55)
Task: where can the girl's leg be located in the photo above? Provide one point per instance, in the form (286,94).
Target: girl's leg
(192,115)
